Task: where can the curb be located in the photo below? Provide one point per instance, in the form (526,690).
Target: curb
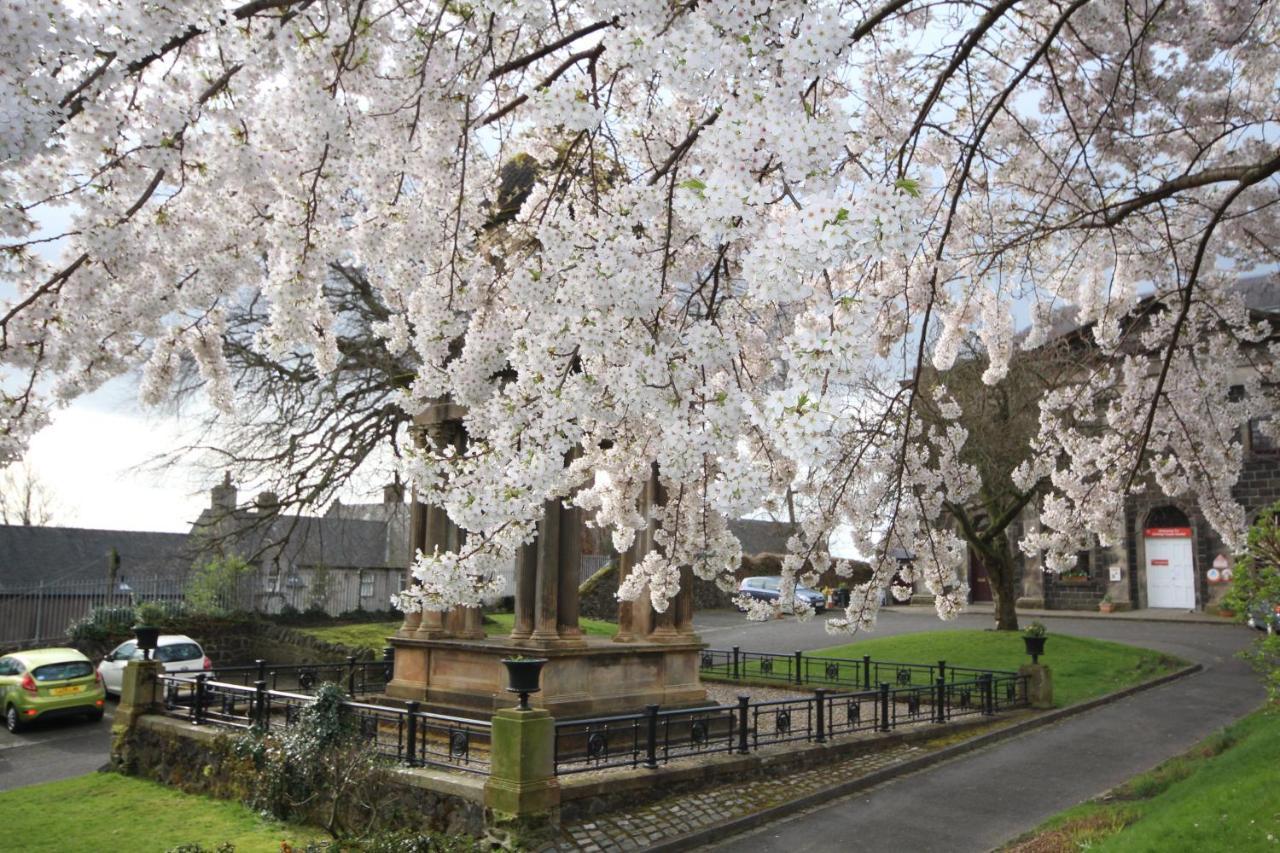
(719,831)
(1119,616)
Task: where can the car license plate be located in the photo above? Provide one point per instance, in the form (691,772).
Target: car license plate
(63,691)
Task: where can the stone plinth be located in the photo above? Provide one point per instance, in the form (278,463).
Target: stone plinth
(593,676)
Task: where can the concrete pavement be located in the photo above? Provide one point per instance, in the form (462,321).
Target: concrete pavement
(982,799)
(59,749)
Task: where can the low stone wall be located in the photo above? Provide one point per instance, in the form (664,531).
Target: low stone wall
(233,642)
(1072,594)
(202,760)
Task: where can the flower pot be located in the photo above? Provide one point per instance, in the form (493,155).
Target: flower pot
(523,676)
(1106,607)
(1035,647)
(147,636)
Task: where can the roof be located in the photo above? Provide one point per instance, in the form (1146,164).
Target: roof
(30,555)
(761,537)
(303,540)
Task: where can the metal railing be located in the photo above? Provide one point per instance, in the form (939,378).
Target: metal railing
(800,669)
(406,735)
(357,678)
(658,736)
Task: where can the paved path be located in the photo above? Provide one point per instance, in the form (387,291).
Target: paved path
(58,749)
(982,799)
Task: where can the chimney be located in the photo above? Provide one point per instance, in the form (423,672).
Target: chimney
(393,493)
(224,495)
(268,503)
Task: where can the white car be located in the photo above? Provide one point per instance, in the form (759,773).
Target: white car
(175,651)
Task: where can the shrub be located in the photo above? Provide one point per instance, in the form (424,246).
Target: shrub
(213,588)
(103,623)
(1255,589)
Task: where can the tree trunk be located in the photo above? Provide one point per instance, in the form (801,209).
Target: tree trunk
(1001,574)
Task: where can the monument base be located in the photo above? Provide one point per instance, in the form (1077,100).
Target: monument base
(593,677)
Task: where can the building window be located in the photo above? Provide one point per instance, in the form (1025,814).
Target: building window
(366,584)
(1259,441)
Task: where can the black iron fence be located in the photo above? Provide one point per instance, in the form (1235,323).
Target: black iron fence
(406,735)
(657,736)
(357,678)
(800,669)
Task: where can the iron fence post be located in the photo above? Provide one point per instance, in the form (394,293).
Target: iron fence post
(799,667)
(262,669)
(820,696)
(942,670)
(351,675)
(651,738)
(411,735)
(940,701)
(985,681)
(735,663)
(260,703)
(744,703)
(884,706)
(197,709)
(866,672)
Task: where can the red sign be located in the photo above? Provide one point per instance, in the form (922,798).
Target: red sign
(1168,532)
(1159,562)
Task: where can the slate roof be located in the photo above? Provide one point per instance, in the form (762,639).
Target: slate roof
(761,537)
(31,555)
(306,541)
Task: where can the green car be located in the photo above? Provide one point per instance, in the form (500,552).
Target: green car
(42,684)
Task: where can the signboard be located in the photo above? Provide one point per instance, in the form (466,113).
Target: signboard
(1115,573)
(1168,533)
(1159,562)
(1221,562)
(1215,576)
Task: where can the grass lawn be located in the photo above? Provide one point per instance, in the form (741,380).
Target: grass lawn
(373,635)
(1224,795)
(105,811)
(1082,668)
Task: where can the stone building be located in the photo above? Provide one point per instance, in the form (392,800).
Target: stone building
(1170,556)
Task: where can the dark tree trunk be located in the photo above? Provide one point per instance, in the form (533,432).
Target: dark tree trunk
(1002,575)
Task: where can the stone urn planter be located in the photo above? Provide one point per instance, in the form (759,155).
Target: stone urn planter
(523,676)
(1033,638)
(147,636)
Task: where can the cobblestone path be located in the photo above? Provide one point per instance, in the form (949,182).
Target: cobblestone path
(677,816)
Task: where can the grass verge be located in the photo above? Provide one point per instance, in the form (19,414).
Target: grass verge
(105,811)
(1220,796)
(373,635)
(1082,668)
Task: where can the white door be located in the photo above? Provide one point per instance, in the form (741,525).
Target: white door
(1170,573)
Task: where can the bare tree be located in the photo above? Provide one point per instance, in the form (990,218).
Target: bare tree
(24,497)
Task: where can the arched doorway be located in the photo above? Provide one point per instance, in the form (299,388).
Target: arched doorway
(1171,573)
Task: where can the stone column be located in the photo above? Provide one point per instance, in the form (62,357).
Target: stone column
(526,589)
(684,601)
(522,786)
(417,536)
(570,572)
(546,616)
(626,609)
(664,623)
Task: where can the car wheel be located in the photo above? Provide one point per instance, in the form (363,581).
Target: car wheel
(12,721)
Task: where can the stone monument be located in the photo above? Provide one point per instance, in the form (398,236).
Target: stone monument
(445,661)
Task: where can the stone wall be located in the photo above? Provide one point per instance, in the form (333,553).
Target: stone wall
(205,761)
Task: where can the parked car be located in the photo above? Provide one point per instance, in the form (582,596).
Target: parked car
(1265,617)
(770,588)
(175,651)
(44,684)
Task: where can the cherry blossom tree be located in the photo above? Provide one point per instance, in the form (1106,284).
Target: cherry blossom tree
(755,223)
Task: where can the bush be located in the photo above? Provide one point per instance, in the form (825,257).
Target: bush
(214,588)
(1255,588)
(102,624)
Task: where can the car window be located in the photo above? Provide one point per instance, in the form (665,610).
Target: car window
(179,651)
(8,666)
(127,651)
(769,583)
(63,671)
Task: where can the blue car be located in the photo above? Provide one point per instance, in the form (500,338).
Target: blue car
(770,589)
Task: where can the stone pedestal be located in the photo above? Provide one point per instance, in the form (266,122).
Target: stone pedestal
(1039,685)
(591,677)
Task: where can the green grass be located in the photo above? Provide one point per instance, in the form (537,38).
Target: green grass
(1223,795)
(373,635)
(105,811)
(1082,668)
